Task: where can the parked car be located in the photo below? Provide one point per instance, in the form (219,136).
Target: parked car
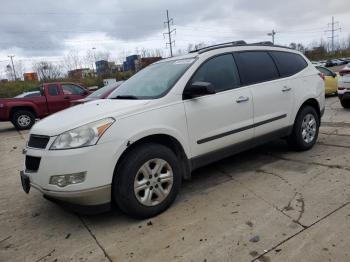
(28,94)
(170,118)
(330,80)
(101,93)
(333,62)
(54,97)
(344,86)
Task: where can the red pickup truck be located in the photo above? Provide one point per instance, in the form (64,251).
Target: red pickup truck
(54,97)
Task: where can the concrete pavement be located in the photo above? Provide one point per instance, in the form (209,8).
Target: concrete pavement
(267,204)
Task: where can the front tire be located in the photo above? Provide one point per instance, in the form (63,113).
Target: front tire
(147,180)
(23,119)
(305,129)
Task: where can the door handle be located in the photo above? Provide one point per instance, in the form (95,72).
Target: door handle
(242,99)
(286,89)
(66,97)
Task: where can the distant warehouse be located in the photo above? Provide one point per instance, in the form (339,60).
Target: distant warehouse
(30,76)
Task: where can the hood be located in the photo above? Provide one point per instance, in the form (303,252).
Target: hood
(86,113)
(81,101)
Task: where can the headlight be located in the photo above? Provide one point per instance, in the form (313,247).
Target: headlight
(86,135)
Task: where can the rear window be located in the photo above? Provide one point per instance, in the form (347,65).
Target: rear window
(288,63)
(255,67)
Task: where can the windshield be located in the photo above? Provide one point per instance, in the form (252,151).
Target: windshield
(153,81)
(108,88)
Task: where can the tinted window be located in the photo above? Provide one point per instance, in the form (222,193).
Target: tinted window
(69,89)
(325,71)
(288,63)
(220,71)
(53,90)
(255,67)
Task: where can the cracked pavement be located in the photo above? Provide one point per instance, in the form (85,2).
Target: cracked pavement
(266,204)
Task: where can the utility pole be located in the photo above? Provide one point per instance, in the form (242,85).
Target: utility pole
(333,30)
(13,67)
(93,51)
(170,31)
(273,32)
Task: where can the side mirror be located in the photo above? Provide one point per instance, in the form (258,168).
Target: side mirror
(334,75)
(198,89)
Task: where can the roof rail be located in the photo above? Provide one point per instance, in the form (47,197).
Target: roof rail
(208,48)
(235,43)
(263,43)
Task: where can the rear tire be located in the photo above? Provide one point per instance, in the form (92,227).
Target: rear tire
(147,180)
(305,129)
(23,119)
(345,103)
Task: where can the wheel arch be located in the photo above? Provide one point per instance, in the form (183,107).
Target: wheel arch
(313,103)
(309,102)
(25,108)
(162,139)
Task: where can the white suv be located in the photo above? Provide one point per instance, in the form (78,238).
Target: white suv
(172,117)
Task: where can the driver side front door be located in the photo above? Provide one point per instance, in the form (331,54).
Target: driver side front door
(218,121)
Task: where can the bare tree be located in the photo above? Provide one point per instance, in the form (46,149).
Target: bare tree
(47,70)
(105,55)
(293,45)
(72,60)
(19,68)
(89,59)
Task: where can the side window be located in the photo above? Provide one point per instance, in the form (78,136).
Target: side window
(69,89)
(288,63)
(33,94)
(255,67)
(220,71)
(325,71)
(53,90)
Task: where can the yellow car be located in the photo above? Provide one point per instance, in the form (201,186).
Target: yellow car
(330,80)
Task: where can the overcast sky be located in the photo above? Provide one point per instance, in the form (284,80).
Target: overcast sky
(45,29)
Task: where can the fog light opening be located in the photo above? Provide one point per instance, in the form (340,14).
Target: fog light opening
(68,179)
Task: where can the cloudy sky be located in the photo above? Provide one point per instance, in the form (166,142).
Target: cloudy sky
(46,29)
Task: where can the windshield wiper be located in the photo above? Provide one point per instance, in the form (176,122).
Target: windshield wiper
(126,97)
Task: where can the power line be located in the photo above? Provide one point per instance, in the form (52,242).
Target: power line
(170,31)
(333,30)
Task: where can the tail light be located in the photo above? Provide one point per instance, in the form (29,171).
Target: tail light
(344,72)
(321,75)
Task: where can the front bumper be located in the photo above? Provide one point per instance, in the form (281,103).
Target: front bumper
(88,197)
(98,162)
